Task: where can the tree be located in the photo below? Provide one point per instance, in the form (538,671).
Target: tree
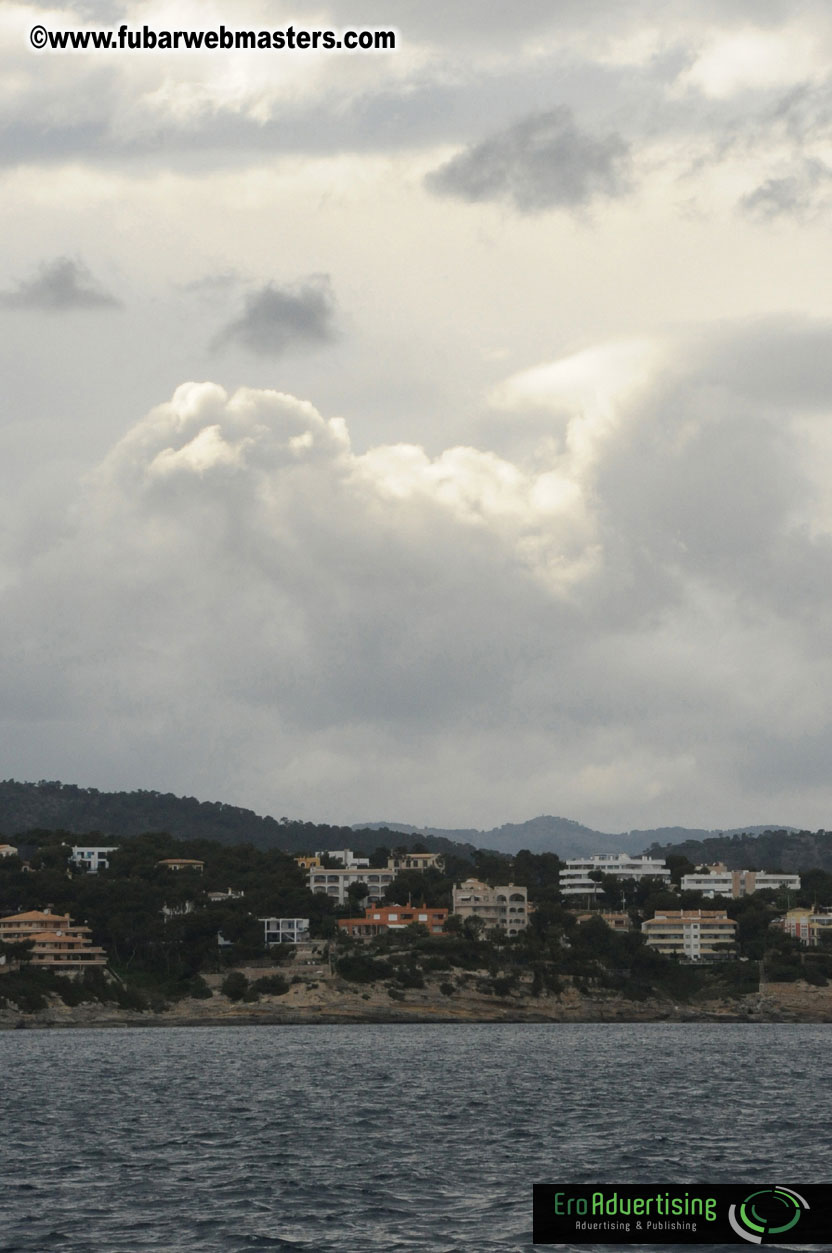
(357,892)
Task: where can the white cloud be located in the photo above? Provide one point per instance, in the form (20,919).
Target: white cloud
(388,631)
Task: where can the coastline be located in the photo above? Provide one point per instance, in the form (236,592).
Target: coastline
(333,1005)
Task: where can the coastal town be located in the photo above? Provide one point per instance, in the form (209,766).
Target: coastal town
(398,920)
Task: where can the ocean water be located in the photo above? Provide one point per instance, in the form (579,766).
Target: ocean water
(365,1139)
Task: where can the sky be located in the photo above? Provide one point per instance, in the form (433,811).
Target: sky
(439,435)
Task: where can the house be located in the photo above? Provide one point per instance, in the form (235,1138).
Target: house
(230,894)
(182,863)
(308,861)
(284,930)
(505,907)
(57,945)
(336,883)
(380,918)
(616,922)
(92,858)
(718,880)
(8,850)
(575,880)
(691,934)
(809,925)
(415,861)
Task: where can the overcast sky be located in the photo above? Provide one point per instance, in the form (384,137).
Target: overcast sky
(439,435)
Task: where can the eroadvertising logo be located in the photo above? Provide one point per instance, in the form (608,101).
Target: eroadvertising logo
(670,1214)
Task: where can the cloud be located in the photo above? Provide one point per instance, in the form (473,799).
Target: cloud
(61,286)
(542,162)
(797,194)
(633,619)
(277,319)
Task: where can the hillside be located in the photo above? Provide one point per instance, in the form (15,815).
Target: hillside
(27,807)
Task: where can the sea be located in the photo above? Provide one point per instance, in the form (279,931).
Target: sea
(385,1138)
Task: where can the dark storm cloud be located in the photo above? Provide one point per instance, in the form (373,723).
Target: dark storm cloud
(275,319)
(542,162)
(60,286)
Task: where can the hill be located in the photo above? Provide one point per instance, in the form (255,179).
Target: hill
(548,834)
(52,806)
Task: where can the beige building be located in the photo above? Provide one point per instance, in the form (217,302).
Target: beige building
(57,945)
(691,934)
(182,863)
(415,861)
(8,850)
(505,907)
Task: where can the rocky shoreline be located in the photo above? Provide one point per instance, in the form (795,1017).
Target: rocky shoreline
(334,1002)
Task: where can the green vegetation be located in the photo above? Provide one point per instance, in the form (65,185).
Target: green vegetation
(163,934)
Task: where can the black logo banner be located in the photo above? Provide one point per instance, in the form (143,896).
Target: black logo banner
(742,1213)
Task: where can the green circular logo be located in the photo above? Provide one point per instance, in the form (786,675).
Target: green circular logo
(769,1212)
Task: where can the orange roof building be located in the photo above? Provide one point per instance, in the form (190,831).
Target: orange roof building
(380,918)
(56,944)
(182,863)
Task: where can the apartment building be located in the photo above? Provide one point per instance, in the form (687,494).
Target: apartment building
(575,880)
(57,945)
(505,907)
(691,934)
(336,883)
(380,918)
(718,880)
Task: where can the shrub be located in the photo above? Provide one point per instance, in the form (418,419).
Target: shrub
(234,985)
(272,985)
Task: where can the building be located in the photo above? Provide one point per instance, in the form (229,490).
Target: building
(575,880)
(808,925)
(380,918)
(415,861)
(336,883)
(345,856)
(718,880)
(505,907)
(92,858)
(8,850)
(182,863)
(230,894)
(57,945)
(284,930)
(616,922)
(691,934)
(307,862)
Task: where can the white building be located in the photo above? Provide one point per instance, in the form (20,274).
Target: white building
(284,930)
(92,857)
(8,850)
(505,907)
(345,856)
(575,880)
(336,883)
(717,880)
